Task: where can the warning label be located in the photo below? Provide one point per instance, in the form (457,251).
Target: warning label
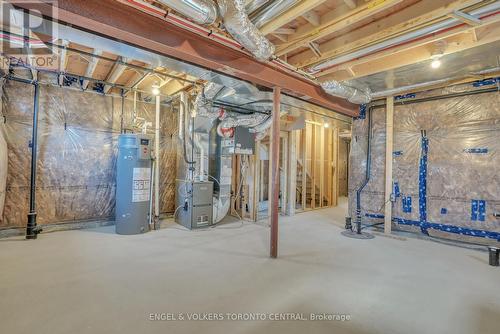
(141,184)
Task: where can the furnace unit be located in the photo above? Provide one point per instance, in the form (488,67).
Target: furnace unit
(194,203)
(133,184)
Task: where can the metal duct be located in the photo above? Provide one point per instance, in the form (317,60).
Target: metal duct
(247,121)
(277,8)
(200,11)
(203,101)
(242,29)
(253,5)
(352,94)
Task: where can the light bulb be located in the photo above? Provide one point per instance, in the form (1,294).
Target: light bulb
(156,89)
(436,63)
(326,125)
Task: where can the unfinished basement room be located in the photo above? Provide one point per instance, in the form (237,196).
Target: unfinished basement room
(250,166)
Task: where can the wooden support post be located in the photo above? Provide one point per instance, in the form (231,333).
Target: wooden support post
(304,133)
(274,164)
(322,167)
(292,172)
(335,187)
(388,164)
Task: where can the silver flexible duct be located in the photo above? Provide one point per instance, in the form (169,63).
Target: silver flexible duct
(352,94)
(203,102)
(200,11)
(242,29)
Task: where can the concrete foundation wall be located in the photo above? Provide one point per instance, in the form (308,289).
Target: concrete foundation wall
(463,162)
(77,146)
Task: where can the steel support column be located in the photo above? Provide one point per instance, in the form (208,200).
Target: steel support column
(31,229)
(275,171)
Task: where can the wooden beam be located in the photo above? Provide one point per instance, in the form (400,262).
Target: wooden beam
(291,14)
(407,19)
(312,17)
(63,60)
(335,179)
(334,21)
(456,41)
(292,172)
(389,132)
(315,48)
(274,164)
(114,75)
(282,38)
(351,3)
(284,31)
(91,67)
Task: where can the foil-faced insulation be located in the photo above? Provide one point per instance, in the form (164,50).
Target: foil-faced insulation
(200,11)
(243,30)
(353,94)
(445,165)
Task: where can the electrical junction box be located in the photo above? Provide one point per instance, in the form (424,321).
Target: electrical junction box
(243,142)
(133,183)
(194,203)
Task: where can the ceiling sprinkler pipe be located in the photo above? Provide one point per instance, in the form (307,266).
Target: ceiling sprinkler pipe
(392,42)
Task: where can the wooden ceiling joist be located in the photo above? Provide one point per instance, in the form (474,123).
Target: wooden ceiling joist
(114,75)
(291,14)
(312,17)
(407,19)
(410,54)
(93,62)
(333,21)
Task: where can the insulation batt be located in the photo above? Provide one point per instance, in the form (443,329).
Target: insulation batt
(455,176)
(76,169)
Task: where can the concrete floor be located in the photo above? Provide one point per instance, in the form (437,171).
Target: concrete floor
(94,281)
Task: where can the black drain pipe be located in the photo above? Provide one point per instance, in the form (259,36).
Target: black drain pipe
(32,229)
(368,171)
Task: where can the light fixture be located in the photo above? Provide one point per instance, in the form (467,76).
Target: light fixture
(436,63)
(156,89)
(326,125)
(437,52)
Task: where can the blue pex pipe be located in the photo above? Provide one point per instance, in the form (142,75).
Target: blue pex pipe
(422,184)
(443,227)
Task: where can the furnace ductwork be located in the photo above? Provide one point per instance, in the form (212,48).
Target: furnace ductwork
(243,30)
(273,10)
(235,20)
(354,95)
(200,11)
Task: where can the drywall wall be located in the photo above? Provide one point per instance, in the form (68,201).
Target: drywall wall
(445,165)
(77,149)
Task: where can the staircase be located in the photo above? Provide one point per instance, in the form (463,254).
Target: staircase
(308,194)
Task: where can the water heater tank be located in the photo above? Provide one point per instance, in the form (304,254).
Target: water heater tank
(133,184)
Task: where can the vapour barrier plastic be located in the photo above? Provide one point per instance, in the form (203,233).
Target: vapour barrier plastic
(3,160)
(77,148)
(462,158)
